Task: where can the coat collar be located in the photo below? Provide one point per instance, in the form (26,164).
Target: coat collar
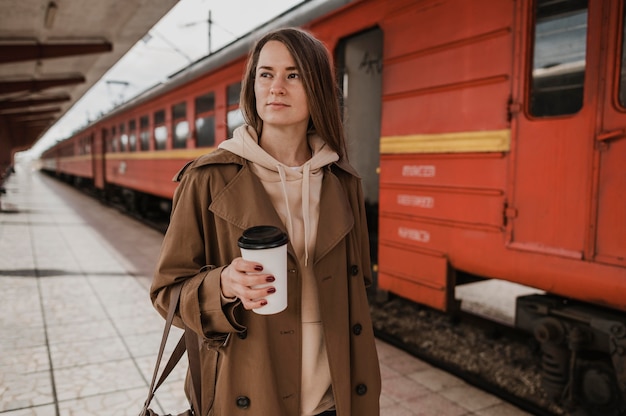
(221,156)
(244,203)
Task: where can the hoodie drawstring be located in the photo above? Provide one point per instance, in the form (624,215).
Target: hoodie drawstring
(305,209)
(283,182)
(305,204)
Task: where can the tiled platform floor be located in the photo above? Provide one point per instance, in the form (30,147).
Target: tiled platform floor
(78,335)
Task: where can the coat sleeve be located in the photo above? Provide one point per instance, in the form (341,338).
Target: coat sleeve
(183,258)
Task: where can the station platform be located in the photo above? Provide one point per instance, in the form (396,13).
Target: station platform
(79,336)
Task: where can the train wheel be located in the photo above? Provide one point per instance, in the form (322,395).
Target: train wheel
(599,391)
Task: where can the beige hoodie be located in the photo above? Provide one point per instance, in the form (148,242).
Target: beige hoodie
(295,194)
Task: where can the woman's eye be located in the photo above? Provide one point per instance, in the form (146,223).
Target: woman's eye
(293,76)
(264,75)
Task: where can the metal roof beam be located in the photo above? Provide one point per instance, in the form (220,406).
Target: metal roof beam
(17,52)
(17,114)
(35,85)
(35,119)
(34,102)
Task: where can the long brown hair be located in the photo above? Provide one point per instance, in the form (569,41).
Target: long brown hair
(314,65)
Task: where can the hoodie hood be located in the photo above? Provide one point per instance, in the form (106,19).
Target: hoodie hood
(245,143)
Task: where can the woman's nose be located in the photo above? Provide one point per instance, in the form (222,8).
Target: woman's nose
(277,87)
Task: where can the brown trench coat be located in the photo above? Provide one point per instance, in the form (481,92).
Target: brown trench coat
(251,363)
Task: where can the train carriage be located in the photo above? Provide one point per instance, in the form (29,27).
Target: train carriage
(491,139)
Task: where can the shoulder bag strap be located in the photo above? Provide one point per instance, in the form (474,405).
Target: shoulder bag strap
(193,354)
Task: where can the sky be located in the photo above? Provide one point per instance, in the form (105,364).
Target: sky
(178,39)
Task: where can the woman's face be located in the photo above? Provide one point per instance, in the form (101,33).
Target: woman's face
(279,89)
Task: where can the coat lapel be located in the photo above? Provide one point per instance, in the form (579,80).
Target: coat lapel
(336,219)
(244,202)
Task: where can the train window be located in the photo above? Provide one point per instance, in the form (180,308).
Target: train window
(205,120)
(84,146)
(234,118)
(181,133)
(179,111)
(622,78)
(159,117)
(123,138)
(114,140)
(106,141)
(205,131)
(233,91)
(560,47)
(160,131)
(180,125)
(160,137)
(205,103)
(132,135)
(144,133)
(144,140)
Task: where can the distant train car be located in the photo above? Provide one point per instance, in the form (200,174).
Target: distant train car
(71,159)
(491,139)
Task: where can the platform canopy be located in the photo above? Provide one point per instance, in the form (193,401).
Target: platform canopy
(53,51)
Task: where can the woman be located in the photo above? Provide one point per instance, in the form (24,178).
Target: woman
(287,167)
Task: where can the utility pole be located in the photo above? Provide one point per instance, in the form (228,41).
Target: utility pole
(210,28)
(210,22)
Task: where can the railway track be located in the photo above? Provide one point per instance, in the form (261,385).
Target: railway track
(488,355)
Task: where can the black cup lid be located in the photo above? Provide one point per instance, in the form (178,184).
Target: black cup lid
(262,236)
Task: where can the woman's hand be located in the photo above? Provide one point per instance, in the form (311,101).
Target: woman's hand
(242,279)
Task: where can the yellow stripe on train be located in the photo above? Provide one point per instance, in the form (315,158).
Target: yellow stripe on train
(188,154)
(472,141)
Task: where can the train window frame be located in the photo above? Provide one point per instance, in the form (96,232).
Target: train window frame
(84,146)
(144,133)
(132,135)
(205,103)
(557,89)
(107,140)
(123,138)
(234,116)
(114,140)
(160,130)
(180,125)
(204,119)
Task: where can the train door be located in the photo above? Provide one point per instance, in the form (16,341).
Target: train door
(610,143)
(359,62)
(549,209)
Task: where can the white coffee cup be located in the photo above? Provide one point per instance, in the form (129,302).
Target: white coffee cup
(267,245)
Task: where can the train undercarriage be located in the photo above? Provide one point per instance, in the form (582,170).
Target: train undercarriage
(583,352)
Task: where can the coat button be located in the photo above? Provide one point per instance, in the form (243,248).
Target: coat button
(357,328)
(243,334)
(354,270)
(243,402)
(361,389)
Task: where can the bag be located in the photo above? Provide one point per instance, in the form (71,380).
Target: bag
(189,342)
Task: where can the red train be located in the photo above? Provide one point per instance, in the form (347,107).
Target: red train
(490,136)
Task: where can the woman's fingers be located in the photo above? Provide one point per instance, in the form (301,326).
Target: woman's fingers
(246,281)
